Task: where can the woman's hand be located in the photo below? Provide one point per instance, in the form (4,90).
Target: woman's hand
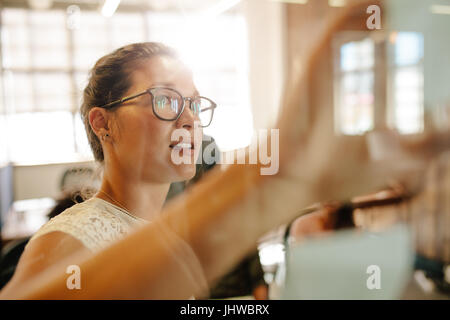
(335,166)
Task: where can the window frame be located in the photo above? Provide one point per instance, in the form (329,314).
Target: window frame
(384,71)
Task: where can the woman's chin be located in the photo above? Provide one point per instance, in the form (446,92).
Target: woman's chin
(185,172)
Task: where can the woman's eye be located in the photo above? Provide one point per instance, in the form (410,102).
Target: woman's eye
(174,105)
(161,102)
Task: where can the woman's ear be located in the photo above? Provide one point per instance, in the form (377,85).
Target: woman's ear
(98,119)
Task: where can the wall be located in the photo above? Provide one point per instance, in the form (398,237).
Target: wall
(39,181)
(267,58)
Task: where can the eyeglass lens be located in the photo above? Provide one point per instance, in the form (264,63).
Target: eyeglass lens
(168,104)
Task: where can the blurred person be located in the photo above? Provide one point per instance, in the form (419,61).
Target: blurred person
(123,245)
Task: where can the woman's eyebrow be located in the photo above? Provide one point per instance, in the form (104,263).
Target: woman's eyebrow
(171,85)
(163,84)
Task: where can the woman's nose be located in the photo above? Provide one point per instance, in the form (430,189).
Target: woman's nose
(186,119)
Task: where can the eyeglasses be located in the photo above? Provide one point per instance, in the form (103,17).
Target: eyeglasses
(168,104)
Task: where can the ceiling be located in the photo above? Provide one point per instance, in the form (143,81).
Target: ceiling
(156,5)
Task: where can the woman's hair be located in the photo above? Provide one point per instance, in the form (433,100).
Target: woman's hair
(110,78)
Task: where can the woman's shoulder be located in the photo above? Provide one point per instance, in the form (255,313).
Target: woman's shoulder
(92,222)
(93,210)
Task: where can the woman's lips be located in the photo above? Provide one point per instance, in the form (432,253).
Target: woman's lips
(183,148)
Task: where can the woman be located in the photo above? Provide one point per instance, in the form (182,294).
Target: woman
(130,116)
(134,142)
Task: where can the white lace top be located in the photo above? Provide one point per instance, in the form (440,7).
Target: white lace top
(98,223)
(95,222)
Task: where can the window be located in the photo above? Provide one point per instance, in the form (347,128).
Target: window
(406,107)
(38,90)
(399,89)
(45,66)
(355,87)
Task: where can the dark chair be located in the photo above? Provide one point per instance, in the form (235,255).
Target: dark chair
(9,258)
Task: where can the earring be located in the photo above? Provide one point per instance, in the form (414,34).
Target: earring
(105,136)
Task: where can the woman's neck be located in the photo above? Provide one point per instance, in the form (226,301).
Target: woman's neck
(141,199)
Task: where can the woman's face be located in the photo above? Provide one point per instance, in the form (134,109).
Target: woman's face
(143,145)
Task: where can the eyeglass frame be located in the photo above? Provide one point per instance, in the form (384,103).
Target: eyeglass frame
(113,104)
